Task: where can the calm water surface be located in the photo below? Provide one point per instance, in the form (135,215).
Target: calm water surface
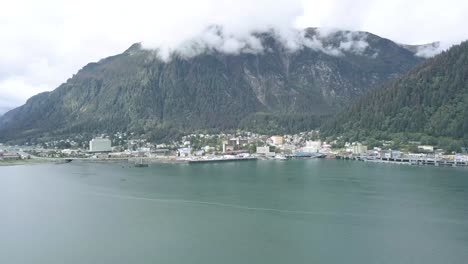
(301,211)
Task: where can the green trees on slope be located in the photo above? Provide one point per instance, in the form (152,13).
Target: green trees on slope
(432,100)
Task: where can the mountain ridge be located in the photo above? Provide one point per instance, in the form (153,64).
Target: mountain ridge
(138,91)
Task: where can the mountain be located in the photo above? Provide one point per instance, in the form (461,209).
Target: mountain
(425,50)
(430,101)
(283,86)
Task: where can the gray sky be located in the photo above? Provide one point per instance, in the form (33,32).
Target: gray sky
(45,42)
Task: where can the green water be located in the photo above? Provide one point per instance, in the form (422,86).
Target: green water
(300,211)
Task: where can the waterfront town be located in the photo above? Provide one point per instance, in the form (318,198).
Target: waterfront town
(228,147)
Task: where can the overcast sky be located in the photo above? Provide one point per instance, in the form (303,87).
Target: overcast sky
(45,42)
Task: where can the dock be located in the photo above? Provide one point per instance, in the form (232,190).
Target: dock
(306,155)
(407,160)
(211,160)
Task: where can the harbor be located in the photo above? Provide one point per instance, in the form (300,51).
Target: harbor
(215,148)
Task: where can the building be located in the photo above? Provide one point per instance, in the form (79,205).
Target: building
(231,145)
(396,154)
(277,140)
(184,152)
(10,156)
(461,158)
(238,142)
(265,151)
(160,152)
(100,145)
(312,146)
(358,148)
(234,144)
(426,148)
(288,149)
(228,148)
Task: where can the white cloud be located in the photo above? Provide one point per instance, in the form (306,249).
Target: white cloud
(16,90)
(213,38)
(354,42)
(430,50)
(218,39)
(45,42)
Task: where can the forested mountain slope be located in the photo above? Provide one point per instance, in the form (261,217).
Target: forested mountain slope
(277,89)
(430,100)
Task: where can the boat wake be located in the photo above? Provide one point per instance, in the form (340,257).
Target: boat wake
(263,209)
(205,203)
(232,206)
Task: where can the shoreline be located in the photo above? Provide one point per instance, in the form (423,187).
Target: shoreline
(172,160)
(7,163)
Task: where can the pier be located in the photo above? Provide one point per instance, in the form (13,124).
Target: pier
(407,160)
(211,160)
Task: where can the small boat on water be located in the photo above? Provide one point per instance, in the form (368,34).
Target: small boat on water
(141,164)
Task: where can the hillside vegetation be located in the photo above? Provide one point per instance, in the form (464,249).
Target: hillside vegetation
(428,104)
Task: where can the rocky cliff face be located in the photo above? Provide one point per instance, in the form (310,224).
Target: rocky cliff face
(138,91)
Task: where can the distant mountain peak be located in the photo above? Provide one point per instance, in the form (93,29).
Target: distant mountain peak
(134,48)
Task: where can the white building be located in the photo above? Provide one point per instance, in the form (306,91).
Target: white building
(265,151)
(396,154)
(312,146)
(358,148)
(100,145)
(426,148)
(184,152)
(461,158)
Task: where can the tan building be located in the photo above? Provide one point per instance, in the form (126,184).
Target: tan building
(277,140)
